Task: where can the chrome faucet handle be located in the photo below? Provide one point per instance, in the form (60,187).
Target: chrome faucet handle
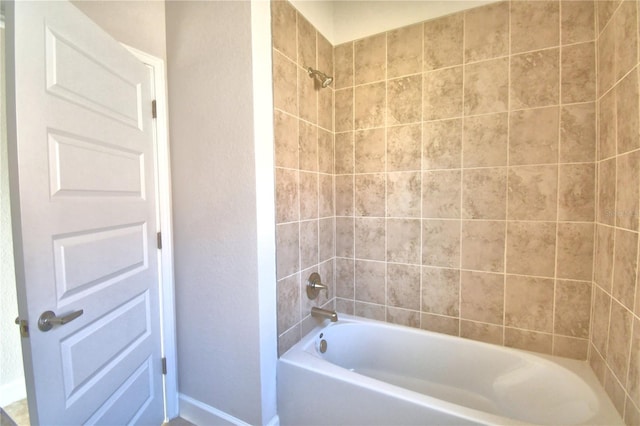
(314,285)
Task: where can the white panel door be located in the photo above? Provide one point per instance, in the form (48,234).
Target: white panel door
(83,191)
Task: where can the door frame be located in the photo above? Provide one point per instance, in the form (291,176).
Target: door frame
(167,288)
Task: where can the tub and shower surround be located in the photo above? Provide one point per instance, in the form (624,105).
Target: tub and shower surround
(465,176)
(615,337)
(303,123)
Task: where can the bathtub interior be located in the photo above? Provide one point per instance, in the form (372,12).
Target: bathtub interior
(504,382)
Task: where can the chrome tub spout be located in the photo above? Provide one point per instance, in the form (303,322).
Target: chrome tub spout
(324,314)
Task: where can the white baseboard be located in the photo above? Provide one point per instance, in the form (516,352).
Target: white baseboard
(12,392)
(199,413)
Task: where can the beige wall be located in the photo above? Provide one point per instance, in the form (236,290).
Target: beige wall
(615,337)
(304,170)
(223,345)
(139,24)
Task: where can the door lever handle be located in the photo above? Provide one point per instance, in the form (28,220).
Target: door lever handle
(48,319)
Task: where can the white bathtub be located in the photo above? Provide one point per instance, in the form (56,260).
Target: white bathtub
(374,373)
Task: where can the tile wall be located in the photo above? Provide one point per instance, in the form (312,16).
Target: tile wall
(465,175)
(615,335)
(305,217)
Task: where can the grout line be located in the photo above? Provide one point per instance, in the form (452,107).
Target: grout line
(506,213)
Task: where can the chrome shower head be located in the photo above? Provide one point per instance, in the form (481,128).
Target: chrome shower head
(324,79)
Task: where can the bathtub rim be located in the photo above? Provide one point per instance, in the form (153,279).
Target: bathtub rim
(302,355)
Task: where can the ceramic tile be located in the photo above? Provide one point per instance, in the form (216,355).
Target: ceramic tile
(533,136)
(600,321)
(628,190)
(283,25)
(578,133)
(404,51)
(308,195)
(403,241)
(482,332)
(539,18)
(575,251)
(626,38)
(287,249)
(404,147)
(308,244)
(535,79)
(285,87)
(576,198)
(343,55)
(441,291)
(370,282)
(403,286)
(326,239)
(483,245)
(344,195)
(531,248)
(404,100)
(484,193)
(344,153)
(528,340)
(486,32)
(486,87)
(370,59)
(370,106)
(529,303)
(442,144)
(286,195)
(627,126)
(625,267)
(344,237)
(441,194)
(485,140)
(344,110)
(577,21)
(440,324)
(345,278)
(572,311)
(403,317)
(578,73)
(306,43)
(288,302)
(403,194)
(607,192)
(308,146)
(442,93)
(606,59)
(570,347)
(443,42)
(285,139)
(370,150)
(370,195)
(482,297)
(367,310)
(603,264)
(619,341)
(369,238)
(533,193)
(441,243)
(307,97)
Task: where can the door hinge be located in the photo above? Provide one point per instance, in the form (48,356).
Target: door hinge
(154,109)
(164,366)
(24,327)
(159,240)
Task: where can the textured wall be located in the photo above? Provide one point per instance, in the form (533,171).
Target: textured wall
(615,337)
(11,373)
(465,175)
(303,122)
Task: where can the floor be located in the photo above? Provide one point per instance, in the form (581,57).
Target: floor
(17,414)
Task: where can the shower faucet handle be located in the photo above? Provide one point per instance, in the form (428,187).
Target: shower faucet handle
(314,285)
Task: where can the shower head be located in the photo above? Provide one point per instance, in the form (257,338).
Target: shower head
(324,79)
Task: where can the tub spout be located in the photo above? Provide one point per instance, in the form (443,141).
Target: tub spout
(324,313)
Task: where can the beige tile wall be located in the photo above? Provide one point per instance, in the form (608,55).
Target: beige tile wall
(465,175)
(303,122)
(615,335)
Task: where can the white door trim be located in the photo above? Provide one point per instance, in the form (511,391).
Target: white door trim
(167,308)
